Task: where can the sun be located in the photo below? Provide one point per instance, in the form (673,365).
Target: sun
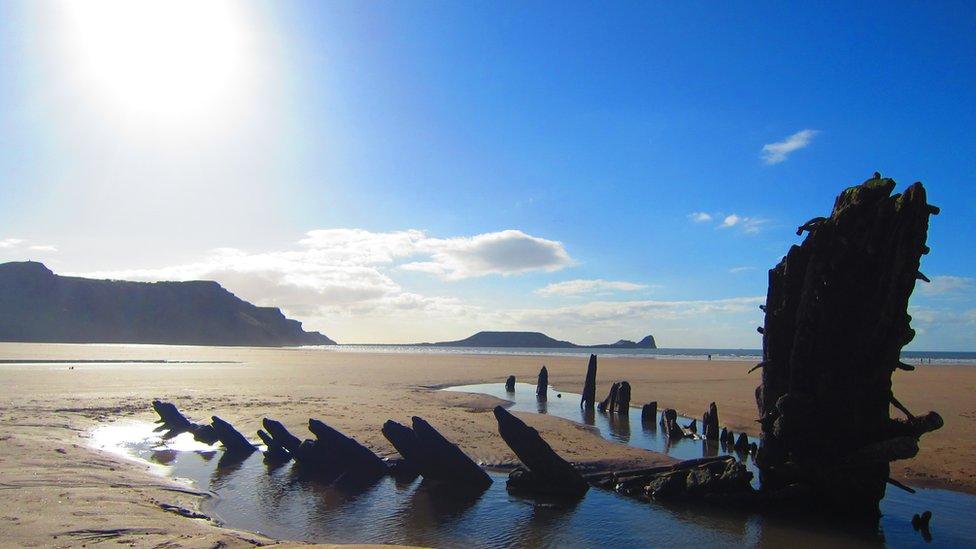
(162,58)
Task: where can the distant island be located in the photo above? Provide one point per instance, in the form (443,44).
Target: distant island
(537,340)
(37,305)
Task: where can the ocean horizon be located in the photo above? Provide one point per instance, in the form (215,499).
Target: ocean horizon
(675,353)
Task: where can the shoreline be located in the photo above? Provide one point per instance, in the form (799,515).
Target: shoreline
(531,352)
(738,402)
(395,349)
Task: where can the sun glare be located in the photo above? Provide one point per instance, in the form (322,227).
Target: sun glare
(157,58)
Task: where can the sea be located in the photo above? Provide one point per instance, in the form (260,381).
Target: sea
(677,353)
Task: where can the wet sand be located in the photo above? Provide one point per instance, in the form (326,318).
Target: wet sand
(53,484)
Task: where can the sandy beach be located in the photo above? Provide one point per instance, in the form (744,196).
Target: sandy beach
(58,490)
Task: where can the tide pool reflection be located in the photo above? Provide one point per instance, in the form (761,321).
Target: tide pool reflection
(281,501)
(616,427)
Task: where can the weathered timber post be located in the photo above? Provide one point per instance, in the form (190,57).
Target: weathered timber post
(710,422)
(544,471)
(836,321)
(623,399)
(589,386)
(649,413)
(609,402)
(542,387)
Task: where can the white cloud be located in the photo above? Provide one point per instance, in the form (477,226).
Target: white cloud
(774,153)
(630,311)
(741,269)
(929,317)
(346,271)
(943,315)
(21,244)
(505,253)
(731,220)
(343,283)
(945,284)
(750,225)
(580,286)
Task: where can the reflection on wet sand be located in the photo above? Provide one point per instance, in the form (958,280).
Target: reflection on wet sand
(274,488)
(620,427)
(164,457)
(433,503)
(710,448)
(286,502)
(546,518)
(227,466)
(588,416)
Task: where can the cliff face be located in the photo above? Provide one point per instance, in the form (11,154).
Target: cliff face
(37,305)
(539,341)
(646,343)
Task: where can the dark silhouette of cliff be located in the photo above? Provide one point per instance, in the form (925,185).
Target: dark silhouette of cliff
(646,343)
(537,340)
(37,305)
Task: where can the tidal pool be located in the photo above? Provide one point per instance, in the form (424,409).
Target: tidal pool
(277,501)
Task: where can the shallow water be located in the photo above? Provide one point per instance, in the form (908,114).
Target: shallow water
(623,429)
(279,502)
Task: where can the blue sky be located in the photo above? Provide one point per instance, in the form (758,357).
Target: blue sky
(478,153)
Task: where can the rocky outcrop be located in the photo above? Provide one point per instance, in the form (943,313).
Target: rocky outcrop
(836,321)
(646,343)
(543,471)
(39,306)
(507,339)
(536,340)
